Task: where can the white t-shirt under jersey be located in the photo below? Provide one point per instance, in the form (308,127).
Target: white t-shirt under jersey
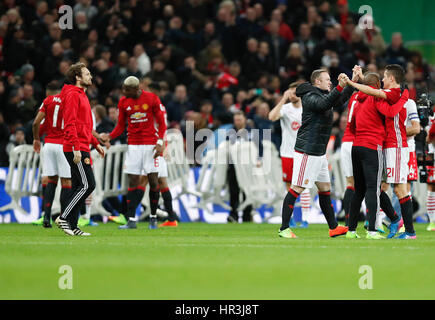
(291,119)
(411,115)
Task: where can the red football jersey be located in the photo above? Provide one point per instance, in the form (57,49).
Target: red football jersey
(142,115)
(395,126)
(370,117)
(53,121)
(349,132)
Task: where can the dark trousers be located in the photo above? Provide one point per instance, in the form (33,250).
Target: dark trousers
(234,195)
(82,185)
(367,172)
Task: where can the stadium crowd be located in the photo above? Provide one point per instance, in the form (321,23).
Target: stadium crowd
(209,58)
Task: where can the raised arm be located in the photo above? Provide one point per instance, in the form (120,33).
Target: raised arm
(275,113)
(120,126)
(368,90)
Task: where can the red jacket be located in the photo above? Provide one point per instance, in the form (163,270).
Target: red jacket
(77,116)
(370,119)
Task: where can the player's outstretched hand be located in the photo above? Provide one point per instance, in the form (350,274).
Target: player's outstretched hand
(342,80)
(158,150)
(37,146)
(357,73)
(101,151)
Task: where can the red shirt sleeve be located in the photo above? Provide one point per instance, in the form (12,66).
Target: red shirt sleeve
(393,95)
(432,132)
(71,104)
(391,110)
(158,110)
(120,126)
(94,141)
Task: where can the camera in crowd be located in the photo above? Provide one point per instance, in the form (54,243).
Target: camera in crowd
(424,159)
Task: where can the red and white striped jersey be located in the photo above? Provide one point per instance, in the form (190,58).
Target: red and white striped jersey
(53,121)
(395,126)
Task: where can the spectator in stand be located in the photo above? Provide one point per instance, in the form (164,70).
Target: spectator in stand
(50,70)
(315,22)
(421,70)
(372,37)
(160,73)
(306,42)
(102,123)
(294,65)
(143,60)
(344,13)
(28,77)
(18,138)
(248,25)
(278,45)
(283,28)
(179,105)
(4,140)
(396,53)
(27,106)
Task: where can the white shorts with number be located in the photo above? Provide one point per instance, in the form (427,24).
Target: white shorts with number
(346,159)
(140,160)
(309,169)
(396,164)
(163,167)
(54,162)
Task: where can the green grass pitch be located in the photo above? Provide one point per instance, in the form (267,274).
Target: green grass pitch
(203,261)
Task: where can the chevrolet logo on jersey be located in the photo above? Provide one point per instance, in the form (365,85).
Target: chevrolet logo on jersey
(138,115)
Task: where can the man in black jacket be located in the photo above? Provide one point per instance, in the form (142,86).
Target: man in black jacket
(310,163)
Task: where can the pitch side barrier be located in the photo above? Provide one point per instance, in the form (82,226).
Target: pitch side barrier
(261,182)
(24,176)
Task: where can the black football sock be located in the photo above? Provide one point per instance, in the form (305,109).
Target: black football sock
(134,197)
(387,207)
(348,195)
(406,208)
(154,200)
(167,200)
(287,208)
(327,209)
(50,190)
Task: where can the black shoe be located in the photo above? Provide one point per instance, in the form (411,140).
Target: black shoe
(46,224)
(129,225)
(232,219)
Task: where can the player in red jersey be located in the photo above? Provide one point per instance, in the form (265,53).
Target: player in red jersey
(142,110)
(77,137)
(54,163)
(395,146)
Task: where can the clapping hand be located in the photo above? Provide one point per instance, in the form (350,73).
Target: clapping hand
(357,73)
(343,80)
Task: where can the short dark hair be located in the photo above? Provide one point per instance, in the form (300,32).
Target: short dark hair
(74,71)
(371,78)
(396,71)
(316,74)
(53,86)
(239,113)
